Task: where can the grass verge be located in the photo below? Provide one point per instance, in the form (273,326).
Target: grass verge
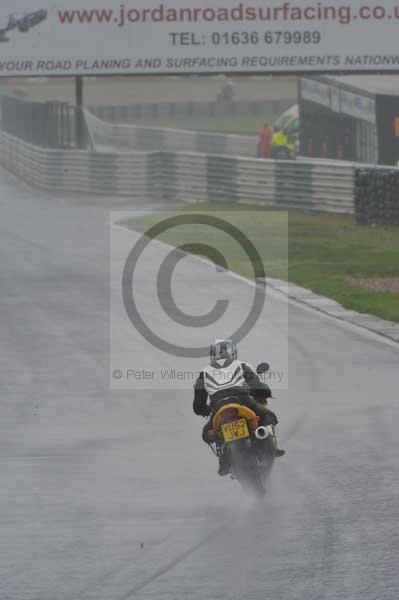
(322,251)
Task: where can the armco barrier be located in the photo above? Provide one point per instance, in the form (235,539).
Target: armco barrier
(191,177)
(184,177)
(129,174)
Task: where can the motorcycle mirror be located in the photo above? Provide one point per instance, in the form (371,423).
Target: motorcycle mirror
(262,368)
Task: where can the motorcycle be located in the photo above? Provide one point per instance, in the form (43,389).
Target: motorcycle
(249,448)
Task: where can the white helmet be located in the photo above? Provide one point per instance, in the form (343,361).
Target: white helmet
(222,353)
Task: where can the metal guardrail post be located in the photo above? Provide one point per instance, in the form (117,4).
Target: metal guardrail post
(79,117)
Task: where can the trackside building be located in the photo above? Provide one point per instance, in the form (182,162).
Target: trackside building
(350,117)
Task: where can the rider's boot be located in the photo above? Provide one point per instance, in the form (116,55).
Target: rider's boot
(277,451)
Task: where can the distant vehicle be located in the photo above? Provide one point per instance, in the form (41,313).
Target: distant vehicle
(23,23)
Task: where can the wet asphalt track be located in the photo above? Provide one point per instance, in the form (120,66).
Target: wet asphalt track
(91,509)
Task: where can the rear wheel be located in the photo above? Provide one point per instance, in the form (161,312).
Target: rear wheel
(247,467)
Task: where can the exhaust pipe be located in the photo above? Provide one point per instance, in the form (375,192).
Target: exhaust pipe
(261,433)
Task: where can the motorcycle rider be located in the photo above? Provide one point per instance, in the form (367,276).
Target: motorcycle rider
(226,377)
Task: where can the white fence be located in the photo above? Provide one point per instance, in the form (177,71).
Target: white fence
(184,177)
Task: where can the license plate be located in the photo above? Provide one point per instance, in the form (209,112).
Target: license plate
(235,430)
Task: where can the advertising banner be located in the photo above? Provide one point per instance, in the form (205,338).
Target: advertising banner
(97,37)
(339,100)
